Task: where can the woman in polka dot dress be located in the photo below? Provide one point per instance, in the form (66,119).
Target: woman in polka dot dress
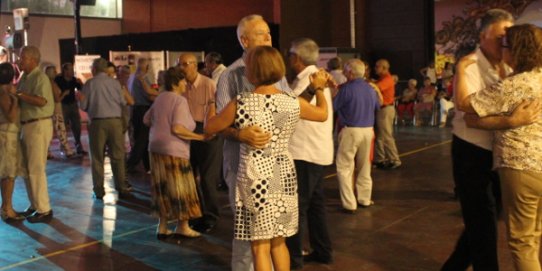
(266,208)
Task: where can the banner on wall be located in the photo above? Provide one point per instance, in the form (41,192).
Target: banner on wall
(155,58)
(173,56)
(82,66)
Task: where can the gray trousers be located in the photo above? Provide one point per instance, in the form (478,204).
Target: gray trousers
(107,132)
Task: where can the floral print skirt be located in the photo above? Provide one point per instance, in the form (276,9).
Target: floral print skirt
(174,190)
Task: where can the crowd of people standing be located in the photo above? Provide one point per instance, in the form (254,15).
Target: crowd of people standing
(270,140)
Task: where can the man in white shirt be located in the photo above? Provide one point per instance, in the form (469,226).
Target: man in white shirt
(213,65)
(311,147)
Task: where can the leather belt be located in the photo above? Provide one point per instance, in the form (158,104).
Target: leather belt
(108,118)
(23,122)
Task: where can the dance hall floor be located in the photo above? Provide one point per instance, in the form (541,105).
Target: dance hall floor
(413,225)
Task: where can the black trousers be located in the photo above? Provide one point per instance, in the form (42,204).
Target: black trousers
(141,139)
(206,161)
(312,210)
(479,194)
(71,116)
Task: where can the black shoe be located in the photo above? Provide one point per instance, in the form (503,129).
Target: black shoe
(28,212)
(347,211)
(366,206)
(40,217)
(163,236)
(314,258)
(126,195)
(12,219)
(98,197)
(204,226)
(381,165)
(393,165)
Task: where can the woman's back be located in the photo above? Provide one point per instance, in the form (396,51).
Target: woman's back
(521,147)
(267,183)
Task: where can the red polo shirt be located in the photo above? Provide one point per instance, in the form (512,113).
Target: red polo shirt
(387,88)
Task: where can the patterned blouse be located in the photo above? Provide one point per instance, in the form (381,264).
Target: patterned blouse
(519,148)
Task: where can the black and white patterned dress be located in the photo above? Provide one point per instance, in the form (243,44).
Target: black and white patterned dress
(266,188)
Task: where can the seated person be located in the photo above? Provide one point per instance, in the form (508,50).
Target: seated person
(406,101)
(445,102)
(426,98)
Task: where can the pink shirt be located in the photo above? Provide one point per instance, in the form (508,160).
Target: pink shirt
(168,110)
(198,95)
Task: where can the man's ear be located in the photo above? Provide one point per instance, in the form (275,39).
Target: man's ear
(244,41)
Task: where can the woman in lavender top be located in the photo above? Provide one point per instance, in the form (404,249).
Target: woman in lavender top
(173,186)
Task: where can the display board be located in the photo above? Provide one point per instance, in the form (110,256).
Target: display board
(155,58)
(83,66)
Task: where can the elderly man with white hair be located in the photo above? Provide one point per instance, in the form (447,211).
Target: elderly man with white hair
(355,104)
(311,147)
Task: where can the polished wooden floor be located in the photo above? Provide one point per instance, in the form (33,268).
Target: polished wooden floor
(413,226)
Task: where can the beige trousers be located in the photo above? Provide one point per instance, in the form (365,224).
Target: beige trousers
(522,206)
(385,149)
(35,139)
(354,152)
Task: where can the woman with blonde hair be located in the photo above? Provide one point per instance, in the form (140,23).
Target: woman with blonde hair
(266,210)
(517,152)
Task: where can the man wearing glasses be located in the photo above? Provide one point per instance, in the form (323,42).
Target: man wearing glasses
(206,156)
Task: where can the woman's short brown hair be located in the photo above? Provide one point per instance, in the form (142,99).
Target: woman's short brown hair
(172,77)
(264,66)
(525,43)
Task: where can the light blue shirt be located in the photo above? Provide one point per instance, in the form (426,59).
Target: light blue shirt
(102,97)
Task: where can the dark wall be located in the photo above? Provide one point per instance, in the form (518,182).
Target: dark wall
(401,31)
(219,39)
(167,15)
(324,21)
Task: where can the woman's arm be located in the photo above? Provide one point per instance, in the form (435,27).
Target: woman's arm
(217,123)
(314,113)
(56,91)
(127,96)
(8,103)
(527,112)
(181,132)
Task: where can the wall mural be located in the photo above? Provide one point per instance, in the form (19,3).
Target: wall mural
(460,32)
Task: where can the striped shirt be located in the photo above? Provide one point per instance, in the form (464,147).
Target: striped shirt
(233,82)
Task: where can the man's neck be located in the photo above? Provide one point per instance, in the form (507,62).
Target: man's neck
(192,78)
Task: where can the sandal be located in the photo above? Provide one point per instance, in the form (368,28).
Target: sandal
(187,234)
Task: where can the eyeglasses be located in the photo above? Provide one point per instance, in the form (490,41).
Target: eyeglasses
(504,43)
(186,63)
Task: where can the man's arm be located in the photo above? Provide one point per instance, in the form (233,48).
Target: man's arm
(527,112)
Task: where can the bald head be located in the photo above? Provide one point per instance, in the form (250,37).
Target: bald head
(382,67)
(188,64)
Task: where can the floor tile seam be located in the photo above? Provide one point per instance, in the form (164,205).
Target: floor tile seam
(74,248)
(329,176)
(401,219)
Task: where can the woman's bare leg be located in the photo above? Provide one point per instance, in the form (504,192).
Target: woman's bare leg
(261,253)
(280,254)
